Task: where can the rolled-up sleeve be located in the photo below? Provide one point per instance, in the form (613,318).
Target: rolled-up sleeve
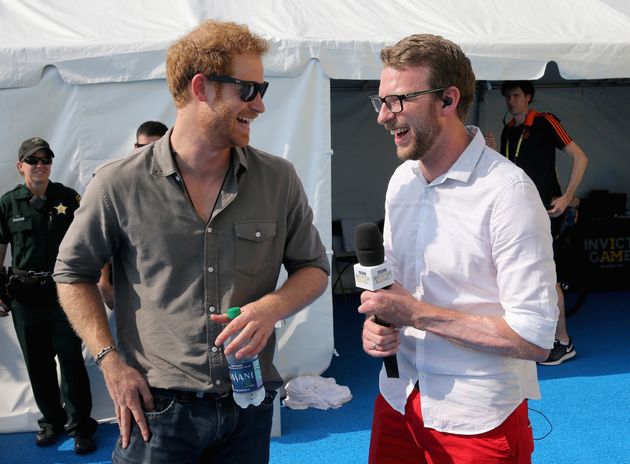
(89,242)
(523,254)
(303,246)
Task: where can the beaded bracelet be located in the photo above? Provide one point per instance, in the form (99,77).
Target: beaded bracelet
(101,354)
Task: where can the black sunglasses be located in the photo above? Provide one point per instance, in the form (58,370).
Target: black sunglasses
(33,160)
(249,89)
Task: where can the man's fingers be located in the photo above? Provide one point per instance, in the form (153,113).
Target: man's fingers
(124,424)
(380,350)
(141,420)
(231,328)
(147,398)
(254,345)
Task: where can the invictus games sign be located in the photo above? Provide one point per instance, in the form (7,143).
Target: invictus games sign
(608,251)
(598,257)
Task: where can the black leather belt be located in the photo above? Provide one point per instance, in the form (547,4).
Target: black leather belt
(190,395)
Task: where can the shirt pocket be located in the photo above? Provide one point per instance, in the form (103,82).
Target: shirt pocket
(20,230)
(254,246)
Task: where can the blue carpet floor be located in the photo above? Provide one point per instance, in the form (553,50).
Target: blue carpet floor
(586,401)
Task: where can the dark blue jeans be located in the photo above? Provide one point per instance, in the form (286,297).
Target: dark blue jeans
(187,429)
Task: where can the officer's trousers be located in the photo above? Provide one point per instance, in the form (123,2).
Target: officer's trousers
(44,333)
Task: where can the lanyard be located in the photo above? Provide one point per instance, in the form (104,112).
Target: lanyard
(518,146)
(529,120)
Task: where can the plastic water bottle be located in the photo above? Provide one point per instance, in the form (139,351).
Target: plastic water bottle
(245,374)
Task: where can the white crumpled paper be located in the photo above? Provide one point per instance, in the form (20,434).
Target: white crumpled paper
(315,392)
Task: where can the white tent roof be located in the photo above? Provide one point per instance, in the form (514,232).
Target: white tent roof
(94,42)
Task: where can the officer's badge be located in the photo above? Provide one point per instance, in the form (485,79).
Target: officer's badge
(61,209)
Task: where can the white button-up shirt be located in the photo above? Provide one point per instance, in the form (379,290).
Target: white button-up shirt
(476,240)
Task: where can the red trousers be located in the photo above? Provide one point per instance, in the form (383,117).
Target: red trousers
(398,439)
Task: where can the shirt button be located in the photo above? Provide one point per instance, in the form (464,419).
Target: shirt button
(218,382)
(210,269)
(212,308)
(209,230)
(258,234)
(177,178)
(214,349)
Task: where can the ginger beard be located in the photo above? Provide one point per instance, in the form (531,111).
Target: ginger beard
(424,135)
(228,128)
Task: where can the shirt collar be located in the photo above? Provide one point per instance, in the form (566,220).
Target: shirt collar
(164,165)
(24,192)
(529,119)
(461,170)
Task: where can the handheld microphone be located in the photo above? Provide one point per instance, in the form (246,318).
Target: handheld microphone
(372,273)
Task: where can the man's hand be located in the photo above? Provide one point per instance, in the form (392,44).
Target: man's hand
(129,392)
(4,309)
(255,327)
(490,140)
(105,287)
(107,292)
(559,205)
(393,305)
(378,340)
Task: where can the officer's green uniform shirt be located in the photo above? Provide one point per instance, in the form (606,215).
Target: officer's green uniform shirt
(43,331)
(35,234)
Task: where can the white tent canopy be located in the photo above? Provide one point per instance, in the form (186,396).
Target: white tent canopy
(97,42)
(83,75)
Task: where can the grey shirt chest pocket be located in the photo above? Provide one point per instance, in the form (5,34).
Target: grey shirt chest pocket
(253,246)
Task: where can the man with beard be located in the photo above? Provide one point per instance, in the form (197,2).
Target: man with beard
(196,223)
(474,305)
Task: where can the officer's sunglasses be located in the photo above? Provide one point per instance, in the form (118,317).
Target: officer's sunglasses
(33,160)
(249,89)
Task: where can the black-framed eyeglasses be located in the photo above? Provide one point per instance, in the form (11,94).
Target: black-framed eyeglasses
(249,89)
(34,160)
(394,103)
(139,145)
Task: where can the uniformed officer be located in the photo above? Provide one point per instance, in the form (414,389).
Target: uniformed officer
(34,217)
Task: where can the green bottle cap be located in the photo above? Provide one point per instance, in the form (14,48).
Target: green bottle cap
(233,312)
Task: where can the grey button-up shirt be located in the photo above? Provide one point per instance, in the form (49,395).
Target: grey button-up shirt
(172,271)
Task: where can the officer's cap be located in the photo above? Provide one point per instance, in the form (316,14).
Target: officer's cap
(30,146)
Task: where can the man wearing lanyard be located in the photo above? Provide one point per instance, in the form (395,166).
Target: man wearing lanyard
(530,140)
